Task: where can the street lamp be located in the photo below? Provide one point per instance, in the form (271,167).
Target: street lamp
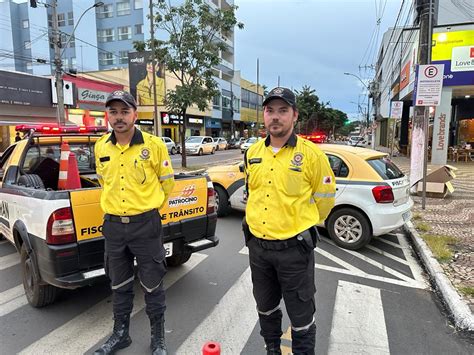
(368,95)
(58,55)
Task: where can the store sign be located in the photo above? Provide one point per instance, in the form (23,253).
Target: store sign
(405,75)
(429,83)
(396,109)
(462,59)
(195,120)
(167,118)
(144,122)
(24,90)
(91,96)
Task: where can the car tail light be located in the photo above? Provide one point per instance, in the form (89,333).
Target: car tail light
(383,194)
(211,197)
(60,227)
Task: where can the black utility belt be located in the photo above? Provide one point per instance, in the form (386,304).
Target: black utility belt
(142,217)
(304,237)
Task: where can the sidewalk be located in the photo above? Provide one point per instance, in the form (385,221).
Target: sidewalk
(452,216)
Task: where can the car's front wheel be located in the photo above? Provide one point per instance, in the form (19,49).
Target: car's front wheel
(349,228)
(200,152)
(213,151)
(173,151)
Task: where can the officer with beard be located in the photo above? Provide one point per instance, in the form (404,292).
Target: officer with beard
(135,172)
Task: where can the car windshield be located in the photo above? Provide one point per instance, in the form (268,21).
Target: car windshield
(251,140)
(194,140)
(356,138)
(386,168)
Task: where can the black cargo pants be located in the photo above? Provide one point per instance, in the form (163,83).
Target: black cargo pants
(127,238)
(285,269)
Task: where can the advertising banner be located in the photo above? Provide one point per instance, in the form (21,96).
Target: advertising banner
(396,110)
(25,90)
(441,128)
(140,67)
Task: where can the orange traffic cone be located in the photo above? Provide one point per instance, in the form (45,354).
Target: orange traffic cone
(73,178)
(211,348)
(63,166)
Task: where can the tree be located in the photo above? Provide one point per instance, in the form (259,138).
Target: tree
(308,105)
(190,51)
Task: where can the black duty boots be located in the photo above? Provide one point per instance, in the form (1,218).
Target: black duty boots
(157,324)
(119,338)
(273,348)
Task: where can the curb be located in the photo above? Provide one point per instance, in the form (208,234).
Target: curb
(462,315)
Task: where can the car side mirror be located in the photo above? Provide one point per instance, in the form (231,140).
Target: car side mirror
(241,167)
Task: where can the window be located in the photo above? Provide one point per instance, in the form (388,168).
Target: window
(105,11)
(27,45)
(139,29)
(50,20)
(123,57)
(106,58)
(29,66)
(216,101)
(70,18)
(138,4)
(124,33)
(236,104)
(123,8)
(73,62)
(25,23)
(61,20)
(339,168)
(105,35)
(225,102)
(386,168)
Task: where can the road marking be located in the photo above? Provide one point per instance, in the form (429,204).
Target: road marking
(12,299)
(244,251)
(88,328)
(415,267)
(231,322)
(358,322)
(9,261)
(395,245)
(353,271)
(387,254)
(3,242)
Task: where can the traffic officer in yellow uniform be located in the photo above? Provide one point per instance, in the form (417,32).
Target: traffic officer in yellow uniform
(290,189)
(135,172)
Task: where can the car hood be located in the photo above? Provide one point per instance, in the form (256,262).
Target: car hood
(192,145)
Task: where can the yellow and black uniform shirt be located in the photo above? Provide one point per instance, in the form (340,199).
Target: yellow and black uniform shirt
(288,191)
(136,178)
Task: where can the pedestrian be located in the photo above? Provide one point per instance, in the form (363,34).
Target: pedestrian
(17,137)
(135,172)
(290,188)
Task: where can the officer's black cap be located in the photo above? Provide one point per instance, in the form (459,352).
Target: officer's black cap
(123,96)
(281,93)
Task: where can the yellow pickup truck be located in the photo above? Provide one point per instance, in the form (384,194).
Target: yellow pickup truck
(58,233)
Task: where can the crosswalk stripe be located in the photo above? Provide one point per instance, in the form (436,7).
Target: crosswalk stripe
(358,325)
(12,299)
(9,261)
(231,321)
(88,328)
(387,254)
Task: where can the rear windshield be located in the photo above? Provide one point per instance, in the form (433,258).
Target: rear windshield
(386,168)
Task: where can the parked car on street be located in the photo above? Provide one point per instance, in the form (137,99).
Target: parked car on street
(173,148)
(233,143)
(200,145)
(372,195)
(248,143)
(221,143)
(357,141)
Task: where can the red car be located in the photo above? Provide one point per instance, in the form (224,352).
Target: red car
(315,137)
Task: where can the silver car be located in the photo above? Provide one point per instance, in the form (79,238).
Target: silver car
(221,143)
(200,145)
(171,145)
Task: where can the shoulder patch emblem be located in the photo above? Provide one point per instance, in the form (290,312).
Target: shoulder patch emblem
(145,154)
(297,159)
(327,180)
(166,163)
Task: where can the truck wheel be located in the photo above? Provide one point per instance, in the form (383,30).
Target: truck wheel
(31,180)
(222,202)
(37,295)
(178,259)
(349,228)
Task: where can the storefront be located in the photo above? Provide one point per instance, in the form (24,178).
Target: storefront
(195,126)
(213,127)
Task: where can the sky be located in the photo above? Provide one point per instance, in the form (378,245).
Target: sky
(313,42)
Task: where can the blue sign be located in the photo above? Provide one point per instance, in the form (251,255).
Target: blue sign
(213,123)
(455,78)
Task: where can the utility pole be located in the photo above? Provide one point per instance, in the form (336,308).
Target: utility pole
(61,114)
(258,101)
(156,122)
(231,111)
(421,113)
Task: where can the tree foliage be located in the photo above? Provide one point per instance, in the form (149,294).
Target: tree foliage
(191,48)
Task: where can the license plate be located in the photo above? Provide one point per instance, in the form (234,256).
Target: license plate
(168,249)
(406,216)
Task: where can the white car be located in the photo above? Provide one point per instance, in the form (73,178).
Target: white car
(171,145)
(357,141)
(199,145)
(248,143)
(221,143)
(372,194)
